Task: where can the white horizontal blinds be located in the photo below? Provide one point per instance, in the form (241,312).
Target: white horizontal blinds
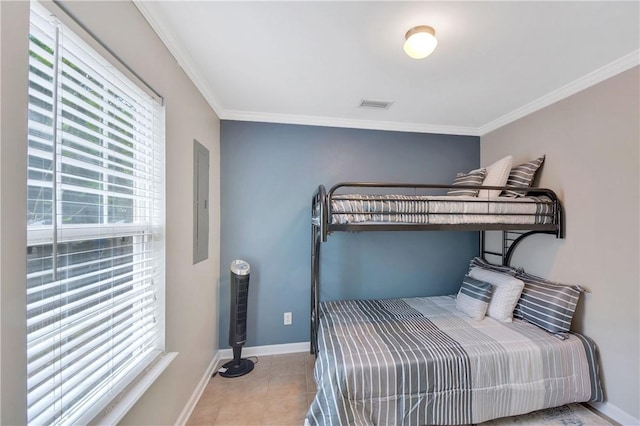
(41,124)
(95,214)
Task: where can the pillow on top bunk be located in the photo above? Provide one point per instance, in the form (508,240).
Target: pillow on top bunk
(474,177)
(546,304)
(497,175)
(506,292)
(522,176)
(473,297)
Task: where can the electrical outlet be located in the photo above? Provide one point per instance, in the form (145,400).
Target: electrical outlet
(287,318)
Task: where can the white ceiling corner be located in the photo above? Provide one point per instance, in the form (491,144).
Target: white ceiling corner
(181,56)
(313,62)
(616,67)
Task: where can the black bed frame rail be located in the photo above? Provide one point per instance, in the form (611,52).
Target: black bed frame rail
(513,234)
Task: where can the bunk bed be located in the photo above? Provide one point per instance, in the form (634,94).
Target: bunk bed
(414,207)
(420,360)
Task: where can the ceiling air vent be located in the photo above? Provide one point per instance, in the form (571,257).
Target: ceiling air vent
(366,103)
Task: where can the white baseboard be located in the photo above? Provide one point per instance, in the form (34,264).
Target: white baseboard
(615,413)
(197,392)
(287,348)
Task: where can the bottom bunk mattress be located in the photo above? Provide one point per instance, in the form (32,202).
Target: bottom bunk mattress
(419,361)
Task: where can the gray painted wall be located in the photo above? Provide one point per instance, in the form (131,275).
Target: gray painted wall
(593,163)
(268,175)
(191,292)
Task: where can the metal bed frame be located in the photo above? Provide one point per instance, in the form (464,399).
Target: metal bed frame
(512,234)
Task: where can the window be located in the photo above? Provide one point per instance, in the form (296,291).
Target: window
(95,217)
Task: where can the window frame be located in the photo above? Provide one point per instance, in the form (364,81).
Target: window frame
(125,393)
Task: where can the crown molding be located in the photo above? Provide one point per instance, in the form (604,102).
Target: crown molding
(183,60)
(614,68)
(308,120)
(186,63)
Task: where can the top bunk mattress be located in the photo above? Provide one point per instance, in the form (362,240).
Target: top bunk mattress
(428,209)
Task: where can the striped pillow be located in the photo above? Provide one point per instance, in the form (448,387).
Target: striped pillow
(546,304)
(474,177)
(473,297)
(522,176)
(481,263)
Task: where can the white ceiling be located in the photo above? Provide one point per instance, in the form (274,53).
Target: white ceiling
(314,62)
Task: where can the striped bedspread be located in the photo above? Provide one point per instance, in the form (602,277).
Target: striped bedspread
(419,361)
(427,209)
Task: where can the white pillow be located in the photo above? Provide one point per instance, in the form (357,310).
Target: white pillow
(506,292)
(497,175)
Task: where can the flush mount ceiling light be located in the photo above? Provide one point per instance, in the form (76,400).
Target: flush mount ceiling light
(420,42)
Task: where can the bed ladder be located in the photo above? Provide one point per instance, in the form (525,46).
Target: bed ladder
(510,240)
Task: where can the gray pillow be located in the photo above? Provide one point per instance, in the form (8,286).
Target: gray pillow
(473,297)
(481,263)
(547,304)
(474,177)
(522,176)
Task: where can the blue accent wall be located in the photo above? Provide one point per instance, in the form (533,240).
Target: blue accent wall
(268,175)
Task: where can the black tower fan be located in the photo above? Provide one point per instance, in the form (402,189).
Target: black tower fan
(238,320)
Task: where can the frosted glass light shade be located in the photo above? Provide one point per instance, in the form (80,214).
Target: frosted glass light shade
(420,42)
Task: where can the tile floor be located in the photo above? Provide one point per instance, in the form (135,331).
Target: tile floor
(278,391)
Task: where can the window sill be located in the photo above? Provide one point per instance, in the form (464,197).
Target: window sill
(129,398)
